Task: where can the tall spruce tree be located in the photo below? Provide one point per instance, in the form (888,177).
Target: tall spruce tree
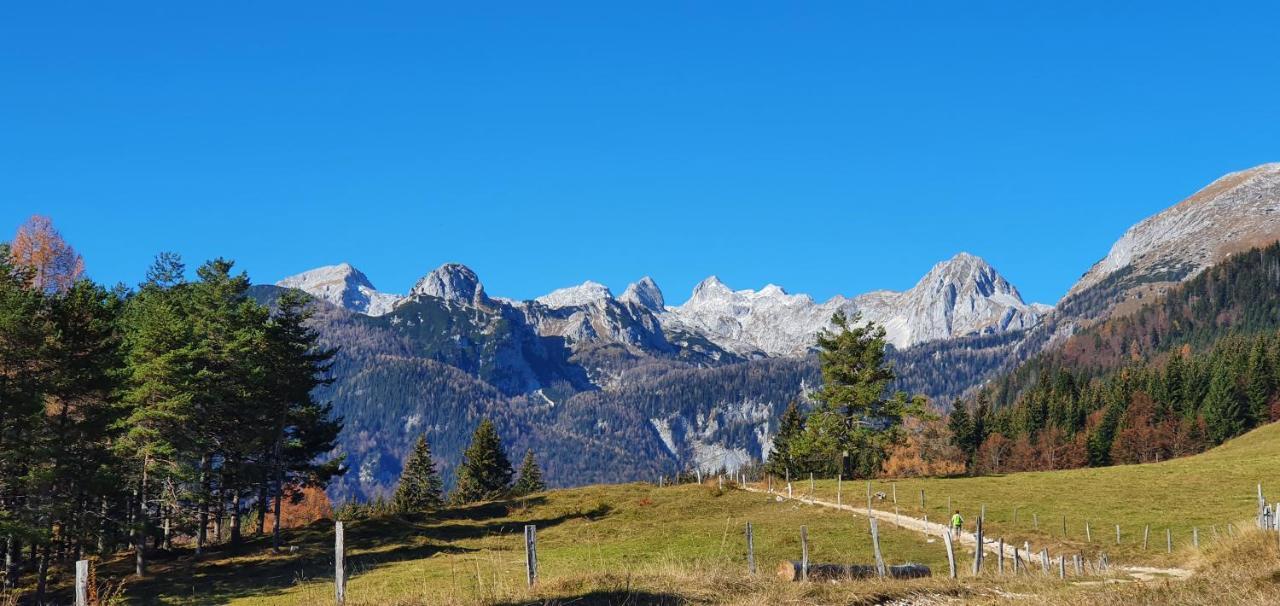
(485,472)
(782,461)
(855,380)
(530,479)
(420,488)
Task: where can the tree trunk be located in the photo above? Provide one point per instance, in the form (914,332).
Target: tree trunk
(235,517)
(12,563)
(275,529)
(262,508)
(167,542)
(202,535)
(218,516)
(140,532)
(42,574)
(790,571)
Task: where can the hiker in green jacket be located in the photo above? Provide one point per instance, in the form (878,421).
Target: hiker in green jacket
(957,523)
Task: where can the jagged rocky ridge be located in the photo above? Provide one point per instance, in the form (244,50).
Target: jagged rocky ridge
(608,388)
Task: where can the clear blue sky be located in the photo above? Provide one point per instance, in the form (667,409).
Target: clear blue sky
(827,147)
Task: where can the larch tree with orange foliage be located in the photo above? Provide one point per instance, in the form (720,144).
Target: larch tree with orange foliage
(927,450)
(54,264)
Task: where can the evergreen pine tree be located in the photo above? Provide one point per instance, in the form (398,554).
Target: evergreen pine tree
(782,461)
(485,472)
(420,487)
(855,381)
(1258,390)
(961,426)
(530,480)
(1224,409)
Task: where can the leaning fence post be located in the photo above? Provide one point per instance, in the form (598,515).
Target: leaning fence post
(875,542)
(1146,534)
(82,583)
(804,553)
(531,553)
(951,553)
(751,551)
(339,564)
(1088,534)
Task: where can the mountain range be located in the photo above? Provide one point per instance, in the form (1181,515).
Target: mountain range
(608,388)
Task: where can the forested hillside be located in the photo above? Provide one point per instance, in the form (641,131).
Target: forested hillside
(1184,372)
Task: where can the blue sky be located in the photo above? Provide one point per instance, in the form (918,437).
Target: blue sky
(827,147)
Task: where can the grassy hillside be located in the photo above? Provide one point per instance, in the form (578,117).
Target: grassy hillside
(591,541)
(640,544)
(1203,491)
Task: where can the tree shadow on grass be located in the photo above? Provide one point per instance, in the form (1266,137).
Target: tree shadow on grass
(254,570)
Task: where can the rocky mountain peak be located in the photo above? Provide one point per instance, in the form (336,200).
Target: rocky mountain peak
(644,293)
(344,286)
(710,288)
(576,296)
(1236,212)
(968,272)
(452,282)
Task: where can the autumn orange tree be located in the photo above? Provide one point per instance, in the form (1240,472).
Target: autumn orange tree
(54,264)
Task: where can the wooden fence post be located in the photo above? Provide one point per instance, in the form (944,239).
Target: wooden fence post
(531,553)
(1168,540)
(751,551)
(1146,534)
(1035,521)
(921,499)
(339,564)
(979,552)
(951,553)
(1117,534)
(810,485)
(788,490)
(1044,560)
(1088,534)
(895,493)
(1064,526)
(1062,566)
(721,480)
(1076,560)
(1000,557)
(804,553)
(1195,537)
(875,543)
(1017,561)
(839,488)
(82,583)
(868,498)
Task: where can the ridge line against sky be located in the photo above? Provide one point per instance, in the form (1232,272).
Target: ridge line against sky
(834,148)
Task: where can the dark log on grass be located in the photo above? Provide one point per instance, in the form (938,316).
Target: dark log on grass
(791,571)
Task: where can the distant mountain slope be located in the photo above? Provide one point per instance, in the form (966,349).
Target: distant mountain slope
(1236,212)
